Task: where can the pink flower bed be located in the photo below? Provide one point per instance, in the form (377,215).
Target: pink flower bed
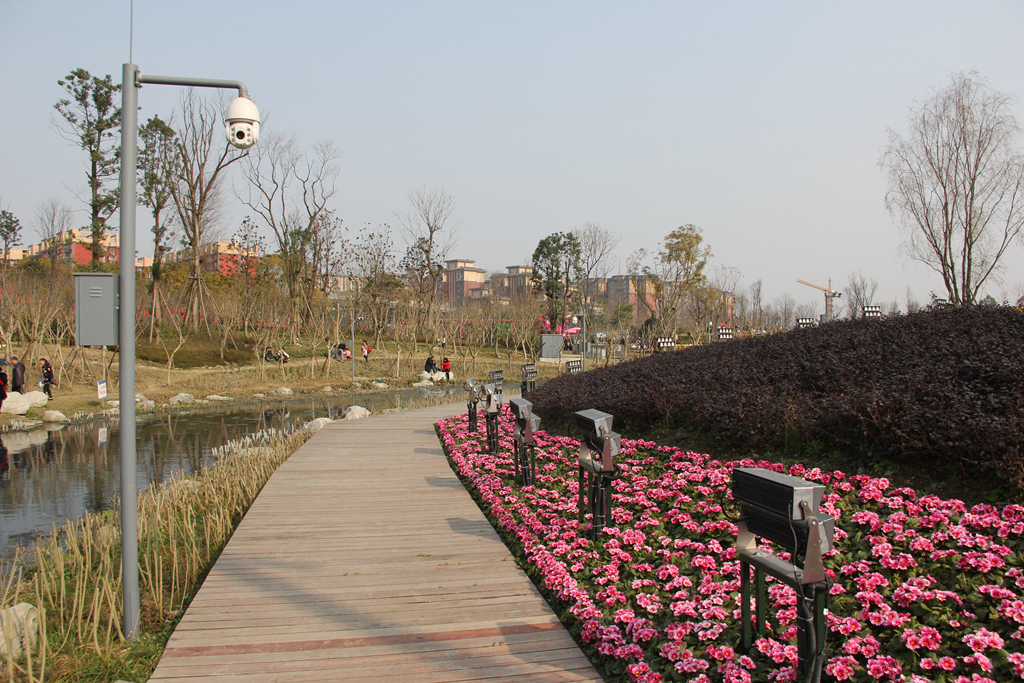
(925,589)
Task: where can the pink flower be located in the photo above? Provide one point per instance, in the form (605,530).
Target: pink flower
(983,639)
(1012,610)
(1017,660)
(840,668)
(885,666)
(911,639)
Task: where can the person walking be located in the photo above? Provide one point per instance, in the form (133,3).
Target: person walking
(447,368)
(18,375)
(47,372)
(366,352)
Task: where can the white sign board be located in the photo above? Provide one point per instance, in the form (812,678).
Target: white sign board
(101,389)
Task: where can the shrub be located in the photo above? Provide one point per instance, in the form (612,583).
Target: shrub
(944,385)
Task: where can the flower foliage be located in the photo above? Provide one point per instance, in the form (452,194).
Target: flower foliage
(943,384)
(924,588)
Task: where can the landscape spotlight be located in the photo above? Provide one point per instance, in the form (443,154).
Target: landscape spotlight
(596,469)
(784,510)
(491,398)
(492,406)
(872,311)
(724,332)
(497,380)
(529,378)
(573,366)
(805,322)
(665,343)
(600,444)
(526,424)
(474,398)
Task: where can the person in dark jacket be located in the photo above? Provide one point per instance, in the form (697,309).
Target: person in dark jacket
(3,387)
(18,375)
(46,370)
(430,366)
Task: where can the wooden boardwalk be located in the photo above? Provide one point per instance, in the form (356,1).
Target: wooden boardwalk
(365,559)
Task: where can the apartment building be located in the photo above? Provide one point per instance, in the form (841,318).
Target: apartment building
(222,257)
(74,245)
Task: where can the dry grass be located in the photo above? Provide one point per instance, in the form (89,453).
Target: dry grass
(74,578)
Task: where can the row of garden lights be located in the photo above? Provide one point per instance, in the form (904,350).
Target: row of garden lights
(775,507)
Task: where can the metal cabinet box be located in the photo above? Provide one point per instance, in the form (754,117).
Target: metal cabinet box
(550,345)
(97,302)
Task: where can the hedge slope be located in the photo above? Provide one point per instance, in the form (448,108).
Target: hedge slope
(944,384)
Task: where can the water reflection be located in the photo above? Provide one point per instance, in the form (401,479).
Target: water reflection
(60,472)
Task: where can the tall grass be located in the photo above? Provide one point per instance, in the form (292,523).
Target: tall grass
(74,577)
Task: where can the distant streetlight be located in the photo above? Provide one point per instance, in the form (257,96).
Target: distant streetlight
(242,127)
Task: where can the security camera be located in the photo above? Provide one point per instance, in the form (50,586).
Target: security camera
(242,123)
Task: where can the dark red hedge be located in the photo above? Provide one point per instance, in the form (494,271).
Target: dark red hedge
(946,384)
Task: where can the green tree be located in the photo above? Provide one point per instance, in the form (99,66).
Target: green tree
(667,287)
(92,120)
(158,166)
(956,183)
(556,266)
(10,233)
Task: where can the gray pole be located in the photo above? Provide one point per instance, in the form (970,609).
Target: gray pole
(130,80)
(126,351)
(584,335)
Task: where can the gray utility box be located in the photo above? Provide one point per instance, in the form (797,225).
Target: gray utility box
(97,302)
(550,345)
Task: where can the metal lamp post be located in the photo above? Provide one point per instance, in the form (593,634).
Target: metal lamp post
(131,79)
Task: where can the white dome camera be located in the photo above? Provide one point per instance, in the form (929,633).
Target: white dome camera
(242,123)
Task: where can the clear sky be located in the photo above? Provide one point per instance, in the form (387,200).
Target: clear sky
(760,122)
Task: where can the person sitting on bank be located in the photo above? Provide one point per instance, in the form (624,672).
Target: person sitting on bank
(430,366)
(283,355)
(270,356)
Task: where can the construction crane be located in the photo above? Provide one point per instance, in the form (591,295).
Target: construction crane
(829,295)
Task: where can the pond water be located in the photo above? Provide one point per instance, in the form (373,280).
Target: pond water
(59,472)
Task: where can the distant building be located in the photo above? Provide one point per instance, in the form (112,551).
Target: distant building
(520,283)
(222,257)
(461,277)
(74,245)
(14,255)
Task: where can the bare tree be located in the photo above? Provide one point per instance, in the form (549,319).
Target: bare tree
(53,223)
(756,306)
(808,309)
(198,191)
(381,289)
(859,293)
(726,282)
(290,190)
(956,183)
(429,240)
(596,248)
(913,304)
(785,311)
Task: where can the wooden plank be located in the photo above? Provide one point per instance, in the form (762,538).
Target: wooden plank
(364,559)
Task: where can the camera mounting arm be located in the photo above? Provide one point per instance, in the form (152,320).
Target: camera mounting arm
(141,78)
